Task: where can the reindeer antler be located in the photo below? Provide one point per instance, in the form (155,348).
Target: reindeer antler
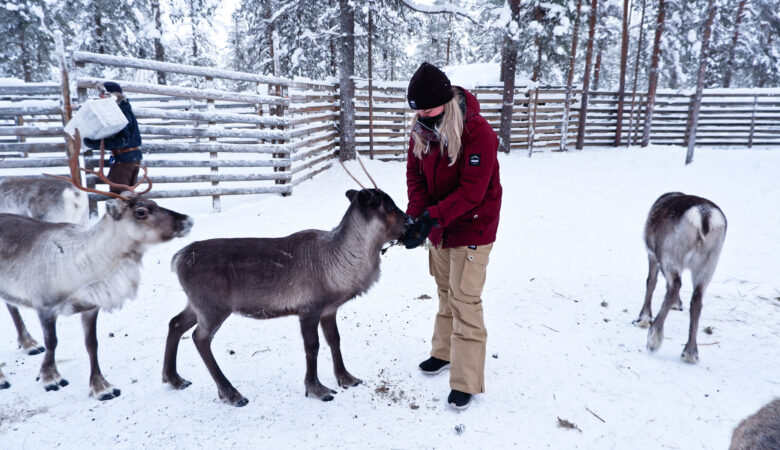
(364,170)
(74,148)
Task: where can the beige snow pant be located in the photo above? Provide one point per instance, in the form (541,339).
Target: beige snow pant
(459,333)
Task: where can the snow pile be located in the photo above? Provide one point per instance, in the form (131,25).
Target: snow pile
(566,278)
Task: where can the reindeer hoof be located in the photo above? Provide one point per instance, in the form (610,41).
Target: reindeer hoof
(177,382)
(642,322)
(234,398)
(109,394)
(63,382)
(35,351)
(5,385)
(654,339)
(105,396)
(51,387)
(327,398)
(692,358)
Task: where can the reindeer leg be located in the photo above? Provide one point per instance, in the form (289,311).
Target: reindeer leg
(98,386)
(176,328)
(646,315)
(202,336)
(691,352)
(49,376)
(311,343)
(4,384)
(331,332)
(26,342)
(656,334)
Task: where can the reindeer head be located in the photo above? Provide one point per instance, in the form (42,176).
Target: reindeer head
(377,207)
(143,220)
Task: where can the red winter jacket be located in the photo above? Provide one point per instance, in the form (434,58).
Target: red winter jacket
(465,197)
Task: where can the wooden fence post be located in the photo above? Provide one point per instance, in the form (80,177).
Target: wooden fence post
(216,202)
(81,93)
(753,121)
(279,110)
(533,121)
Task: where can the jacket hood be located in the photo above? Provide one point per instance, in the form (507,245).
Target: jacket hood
(472,105)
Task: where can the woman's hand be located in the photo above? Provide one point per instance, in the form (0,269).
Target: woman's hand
(418,230)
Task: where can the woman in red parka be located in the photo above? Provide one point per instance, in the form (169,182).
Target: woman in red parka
(455,195)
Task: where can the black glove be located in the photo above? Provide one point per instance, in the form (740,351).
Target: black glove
(417,231)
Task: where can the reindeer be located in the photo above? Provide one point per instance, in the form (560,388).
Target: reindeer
(46,199)
(681,232)
(309,274)
(761,431)
(62,269)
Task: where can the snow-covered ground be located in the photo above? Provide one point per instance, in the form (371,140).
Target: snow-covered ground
(565,280)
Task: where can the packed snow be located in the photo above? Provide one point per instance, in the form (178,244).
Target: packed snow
(565,280)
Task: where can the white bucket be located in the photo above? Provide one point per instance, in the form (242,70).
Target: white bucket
(97,119)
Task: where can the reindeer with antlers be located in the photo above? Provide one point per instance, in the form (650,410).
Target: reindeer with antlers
(62,269)
(310,274)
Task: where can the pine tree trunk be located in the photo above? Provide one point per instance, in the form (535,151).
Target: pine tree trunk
(159,50)
(652,83)
(696,106)
(639,49)
(346,85)
(99,34)
(508,68)
(586,76)
(597,71)
(332,43)
(733,48)
(622,82)
(570,79)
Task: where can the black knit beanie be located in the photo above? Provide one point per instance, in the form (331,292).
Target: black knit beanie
(111,86)
(429,88)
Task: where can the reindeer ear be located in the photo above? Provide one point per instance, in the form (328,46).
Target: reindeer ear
(115,207)
(367,198)
(351,194)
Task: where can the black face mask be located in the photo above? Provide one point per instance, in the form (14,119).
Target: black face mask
(431,122)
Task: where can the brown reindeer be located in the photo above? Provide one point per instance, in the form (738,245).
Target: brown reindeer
(681,232)
(309,274)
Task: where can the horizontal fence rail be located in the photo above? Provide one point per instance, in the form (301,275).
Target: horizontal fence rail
(212,136)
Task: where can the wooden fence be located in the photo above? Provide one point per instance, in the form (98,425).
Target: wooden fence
(203,138)
(726,118)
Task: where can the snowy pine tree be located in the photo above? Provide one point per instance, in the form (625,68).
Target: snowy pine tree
(26,42)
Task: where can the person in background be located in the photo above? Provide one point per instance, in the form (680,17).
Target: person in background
(125,145)
(455,195)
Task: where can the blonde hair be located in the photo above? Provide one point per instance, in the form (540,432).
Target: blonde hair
(449,130)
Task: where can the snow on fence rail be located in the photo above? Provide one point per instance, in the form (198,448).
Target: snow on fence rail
(726,118)
(197,141)
(209,141)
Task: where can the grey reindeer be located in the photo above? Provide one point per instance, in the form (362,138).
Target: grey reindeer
(309,274)
(681,232)
(761,431)
(43,198)
(62,269)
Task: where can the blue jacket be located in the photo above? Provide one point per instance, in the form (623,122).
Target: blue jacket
(127,137)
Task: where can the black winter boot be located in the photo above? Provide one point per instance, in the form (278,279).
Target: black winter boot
(458,399)
(432,366)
